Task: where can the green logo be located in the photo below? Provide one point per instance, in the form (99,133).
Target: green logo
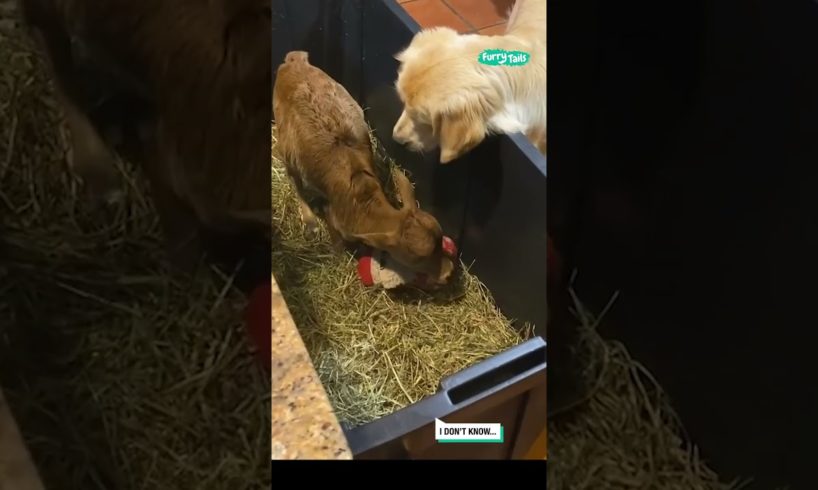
(501,57)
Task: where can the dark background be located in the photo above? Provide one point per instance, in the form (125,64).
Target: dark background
(683,143)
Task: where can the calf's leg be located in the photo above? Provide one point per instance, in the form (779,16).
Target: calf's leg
(89,157)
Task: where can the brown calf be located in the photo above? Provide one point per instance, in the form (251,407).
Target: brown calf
(324,142)
(204,67)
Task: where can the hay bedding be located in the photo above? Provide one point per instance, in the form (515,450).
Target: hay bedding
(120,377)
(626,434)
(377,351)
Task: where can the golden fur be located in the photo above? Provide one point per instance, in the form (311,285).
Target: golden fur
(453,102)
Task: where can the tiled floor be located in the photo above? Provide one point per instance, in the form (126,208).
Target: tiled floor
(465,16)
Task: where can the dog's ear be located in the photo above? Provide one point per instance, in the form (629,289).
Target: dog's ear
(459,132)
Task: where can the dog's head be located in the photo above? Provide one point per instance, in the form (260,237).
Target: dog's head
(417,242)
(447,100)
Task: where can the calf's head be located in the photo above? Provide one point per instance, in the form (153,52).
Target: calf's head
(417,241)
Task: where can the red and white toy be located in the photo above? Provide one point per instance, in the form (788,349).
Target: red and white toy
(377,268)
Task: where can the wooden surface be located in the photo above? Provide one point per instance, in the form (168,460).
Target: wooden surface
(303,423)
(17,471)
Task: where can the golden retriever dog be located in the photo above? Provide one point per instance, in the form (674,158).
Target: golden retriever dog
(204,67)
(324,142)
(453,101)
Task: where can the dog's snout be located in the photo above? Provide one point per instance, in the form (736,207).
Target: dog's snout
(396,134)
(400,132)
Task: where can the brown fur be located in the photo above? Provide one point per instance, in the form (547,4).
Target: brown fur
(324,141)
(204,66)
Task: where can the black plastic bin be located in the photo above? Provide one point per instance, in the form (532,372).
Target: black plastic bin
(485,201)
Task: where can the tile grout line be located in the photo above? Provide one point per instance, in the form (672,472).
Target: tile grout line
(489,27)
(472,29)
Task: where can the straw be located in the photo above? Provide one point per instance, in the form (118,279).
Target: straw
(626,434)
(119,375)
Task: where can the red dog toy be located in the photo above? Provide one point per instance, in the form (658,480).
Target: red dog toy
(258,320)
(379,269)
